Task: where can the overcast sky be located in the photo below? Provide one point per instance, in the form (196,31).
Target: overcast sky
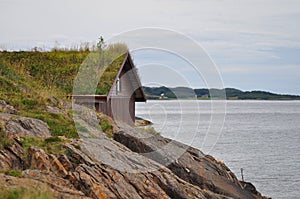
(254,43)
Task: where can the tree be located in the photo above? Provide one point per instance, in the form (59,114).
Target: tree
(100,43)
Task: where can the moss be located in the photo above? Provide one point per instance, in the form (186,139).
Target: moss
(15,173)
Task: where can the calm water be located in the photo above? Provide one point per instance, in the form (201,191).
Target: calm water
(262,137)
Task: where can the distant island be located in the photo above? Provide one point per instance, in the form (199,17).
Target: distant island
(156,93)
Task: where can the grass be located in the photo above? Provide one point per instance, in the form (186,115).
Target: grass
(5,141)
(151,130)
(52,145)
(31,100)
(109,75)
(61,66)
(105,125)
(102,68)
(59,124)
(29,80)
(23,193)
(81,128)
(15,173)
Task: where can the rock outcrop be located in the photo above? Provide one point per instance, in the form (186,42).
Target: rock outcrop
(23,126)
(188,163)
(132,165)
(77,174)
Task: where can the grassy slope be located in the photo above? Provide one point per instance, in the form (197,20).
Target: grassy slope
(31,81)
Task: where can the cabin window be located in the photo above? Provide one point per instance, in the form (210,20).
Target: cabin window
(118,85)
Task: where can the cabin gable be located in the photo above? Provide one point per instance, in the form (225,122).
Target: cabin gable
(125,90)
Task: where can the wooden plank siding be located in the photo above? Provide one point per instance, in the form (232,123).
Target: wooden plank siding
(120,109)
(122,101)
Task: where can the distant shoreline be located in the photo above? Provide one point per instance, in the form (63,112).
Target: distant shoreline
(187,99)
(185,93)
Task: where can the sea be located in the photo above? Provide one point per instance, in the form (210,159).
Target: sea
(261,137)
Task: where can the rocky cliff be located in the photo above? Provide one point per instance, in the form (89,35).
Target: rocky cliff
(132,164)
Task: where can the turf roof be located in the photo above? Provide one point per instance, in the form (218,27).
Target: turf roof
(109,75)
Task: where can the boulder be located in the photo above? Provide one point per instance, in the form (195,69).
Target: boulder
(24,126)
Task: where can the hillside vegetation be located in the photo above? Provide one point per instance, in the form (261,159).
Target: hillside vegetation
(33,81)
(36,82)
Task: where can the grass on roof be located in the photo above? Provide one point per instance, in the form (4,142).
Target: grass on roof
(109,76)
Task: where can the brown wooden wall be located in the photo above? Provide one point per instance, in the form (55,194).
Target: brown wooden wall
(101,107)
(121,104)
(122,109)
(126,88)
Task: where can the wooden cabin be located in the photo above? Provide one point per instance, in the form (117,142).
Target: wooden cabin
(125,90)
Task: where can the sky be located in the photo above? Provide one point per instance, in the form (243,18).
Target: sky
(254,44)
